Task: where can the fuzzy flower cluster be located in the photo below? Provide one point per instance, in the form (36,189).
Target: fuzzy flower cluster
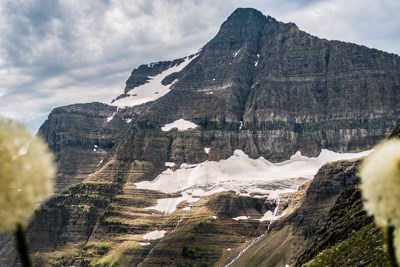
(380,183)
(26,172)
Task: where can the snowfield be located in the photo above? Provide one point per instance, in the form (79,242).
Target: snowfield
(239,173)
(181,125)
(151,90)
(154,235)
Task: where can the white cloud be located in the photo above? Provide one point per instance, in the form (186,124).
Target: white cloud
(61,52)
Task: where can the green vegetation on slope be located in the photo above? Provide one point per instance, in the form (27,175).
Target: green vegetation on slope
(362,248)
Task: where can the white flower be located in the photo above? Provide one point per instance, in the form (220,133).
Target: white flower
(380,183)
(26,172)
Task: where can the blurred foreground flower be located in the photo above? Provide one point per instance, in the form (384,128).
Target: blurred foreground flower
(26,172)
(380,183)
(380,187)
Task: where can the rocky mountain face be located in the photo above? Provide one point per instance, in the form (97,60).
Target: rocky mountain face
(291,90)
(261,86)
(80,136)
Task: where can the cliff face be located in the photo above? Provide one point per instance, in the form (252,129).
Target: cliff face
(292,91)
(80,136)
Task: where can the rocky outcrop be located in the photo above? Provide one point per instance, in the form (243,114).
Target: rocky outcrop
(330,181)
(345,217)
(80,136)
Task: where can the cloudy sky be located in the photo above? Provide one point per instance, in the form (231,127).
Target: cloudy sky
(58,52)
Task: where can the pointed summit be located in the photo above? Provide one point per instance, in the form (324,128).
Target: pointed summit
(243,22)
(246,16)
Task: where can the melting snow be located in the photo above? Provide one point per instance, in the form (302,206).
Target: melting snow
(241,174)
(240,168)
(181,124)
(241,218)
(269,216)
(152,90)
(101,161)
(169,164)
(234,55)
(111,117)
(154,235)
(256,63)
(168,205)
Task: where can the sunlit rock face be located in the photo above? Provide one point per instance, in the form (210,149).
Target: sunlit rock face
(257,93)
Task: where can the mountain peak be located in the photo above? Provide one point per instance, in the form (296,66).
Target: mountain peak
(245,16)
(243,12)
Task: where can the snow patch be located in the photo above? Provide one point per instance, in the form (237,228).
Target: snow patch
(169,205)
(236,53)
(181,124)
(207,150)
(241,218)
(269,216)
(111,117)
(241,125)
(169,164)
(101,161)
(154,235)
(256,63)
(151,90)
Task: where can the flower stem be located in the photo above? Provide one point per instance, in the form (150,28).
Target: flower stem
(390,246)
(22,246)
